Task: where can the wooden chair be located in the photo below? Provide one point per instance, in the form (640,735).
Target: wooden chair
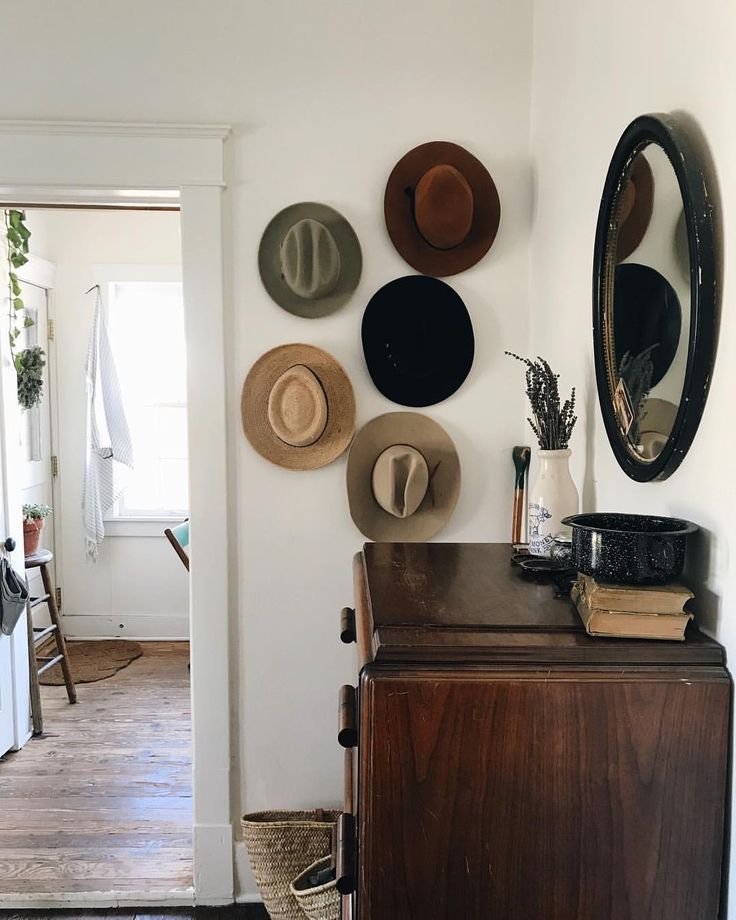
(179,538)
(41,559)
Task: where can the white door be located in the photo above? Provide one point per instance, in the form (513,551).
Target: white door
(35,439)
(14,684)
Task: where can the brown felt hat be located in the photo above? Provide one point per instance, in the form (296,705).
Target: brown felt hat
(309,259)
(298,407)
(637,202)
(403,478)
(442,208)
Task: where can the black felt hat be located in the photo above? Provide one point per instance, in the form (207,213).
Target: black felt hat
(417,340)
(647,315)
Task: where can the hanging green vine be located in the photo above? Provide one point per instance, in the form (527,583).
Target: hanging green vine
(30,362)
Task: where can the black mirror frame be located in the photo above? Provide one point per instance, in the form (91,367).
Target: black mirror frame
(664,131)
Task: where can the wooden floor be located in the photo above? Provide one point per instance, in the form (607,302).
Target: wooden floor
(234,912)
(102,802)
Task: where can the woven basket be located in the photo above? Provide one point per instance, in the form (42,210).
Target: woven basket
(281,845)
(321,903)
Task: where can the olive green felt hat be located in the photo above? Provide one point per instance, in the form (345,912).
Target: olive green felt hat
(309,259)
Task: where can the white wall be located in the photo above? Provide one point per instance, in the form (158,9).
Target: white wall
(596,67)
(323,97)
(138,587)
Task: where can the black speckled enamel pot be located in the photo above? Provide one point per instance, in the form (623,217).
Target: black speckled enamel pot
(629,549)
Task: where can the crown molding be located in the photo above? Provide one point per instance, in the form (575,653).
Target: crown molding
(114,129)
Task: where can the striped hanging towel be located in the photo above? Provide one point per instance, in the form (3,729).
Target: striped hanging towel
(109,454)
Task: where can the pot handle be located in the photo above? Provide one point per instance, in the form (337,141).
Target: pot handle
(664,560)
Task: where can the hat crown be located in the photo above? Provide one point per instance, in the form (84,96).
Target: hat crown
(310,259)
(297,407)
(400,480)
(443,206)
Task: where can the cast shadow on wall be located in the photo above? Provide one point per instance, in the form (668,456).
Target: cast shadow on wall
(707,605)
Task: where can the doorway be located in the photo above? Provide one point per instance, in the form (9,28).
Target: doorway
(101,164)
(116,806)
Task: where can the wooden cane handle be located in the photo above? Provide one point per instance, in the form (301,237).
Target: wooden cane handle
(518,515)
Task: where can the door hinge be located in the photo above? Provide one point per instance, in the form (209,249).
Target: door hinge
(54,466)
(58,598)
(51,330)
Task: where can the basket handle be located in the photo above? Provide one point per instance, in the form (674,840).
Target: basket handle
(319,815)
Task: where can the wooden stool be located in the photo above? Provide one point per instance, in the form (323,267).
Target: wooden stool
(36,635)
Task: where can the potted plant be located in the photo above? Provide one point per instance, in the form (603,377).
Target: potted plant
(29,362)
(33,518)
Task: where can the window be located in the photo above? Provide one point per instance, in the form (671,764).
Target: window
(146,327)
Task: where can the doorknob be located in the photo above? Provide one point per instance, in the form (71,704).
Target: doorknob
(9,544)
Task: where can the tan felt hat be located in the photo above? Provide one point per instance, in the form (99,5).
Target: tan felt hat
(442,208)
(403,478)
(298,407)
(655,426)
(309,259)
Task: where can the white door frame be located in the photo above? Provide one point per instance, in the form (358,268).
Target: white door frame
(93,163)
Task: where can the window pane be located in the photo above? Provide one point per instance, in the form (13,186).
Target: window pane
(146,325)
(172,432)
(174,484)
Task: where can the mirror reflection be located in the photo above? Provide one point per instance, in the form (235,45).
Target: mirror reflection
(649,328)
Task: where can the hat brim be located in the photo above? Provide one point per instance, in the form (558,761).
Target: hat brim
(437,448)
(269,259)
(340,427)
(438,311)
(400,223)
(632,230)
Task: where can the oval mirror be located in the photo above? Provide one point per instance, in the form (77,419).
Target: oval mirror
(654,297)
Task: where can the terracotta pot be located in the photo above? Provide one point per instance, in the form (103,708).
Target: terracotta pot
(32,535)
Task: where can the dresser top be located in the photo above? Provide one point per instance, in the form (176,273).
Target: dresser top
(461,601)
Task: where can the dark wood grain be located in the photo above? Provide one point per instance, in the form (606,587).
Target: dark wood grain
(363,613)
(510,766)
(347,625)
(457,602)
(562,796)
(229,912)
(347,724)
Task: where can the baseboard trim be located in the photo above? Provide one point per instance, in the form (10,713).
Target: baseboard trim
(213,863)
(126,626)
(246,888)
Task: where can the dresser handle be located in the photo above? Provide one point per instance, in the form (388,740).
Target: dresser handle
(347,729)
(345,873)
(347,625)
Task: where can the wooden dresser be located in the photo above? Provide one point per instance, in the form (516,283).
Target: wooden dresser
(501,764)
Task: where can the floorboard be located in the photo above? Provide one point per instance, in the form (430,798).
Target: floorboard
(103,800)
(232,912)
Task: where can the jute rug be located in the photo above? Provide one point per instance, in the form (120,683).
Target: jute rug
(91,661)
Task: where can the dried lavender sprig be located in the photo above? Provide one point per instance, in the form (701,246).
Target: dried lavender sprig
(551,423)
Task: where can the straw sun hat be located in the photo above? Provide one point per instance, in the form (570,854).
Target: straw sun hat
(298,407)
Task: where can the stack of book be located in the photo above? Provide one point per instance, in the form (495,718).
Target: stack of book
(632,612)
